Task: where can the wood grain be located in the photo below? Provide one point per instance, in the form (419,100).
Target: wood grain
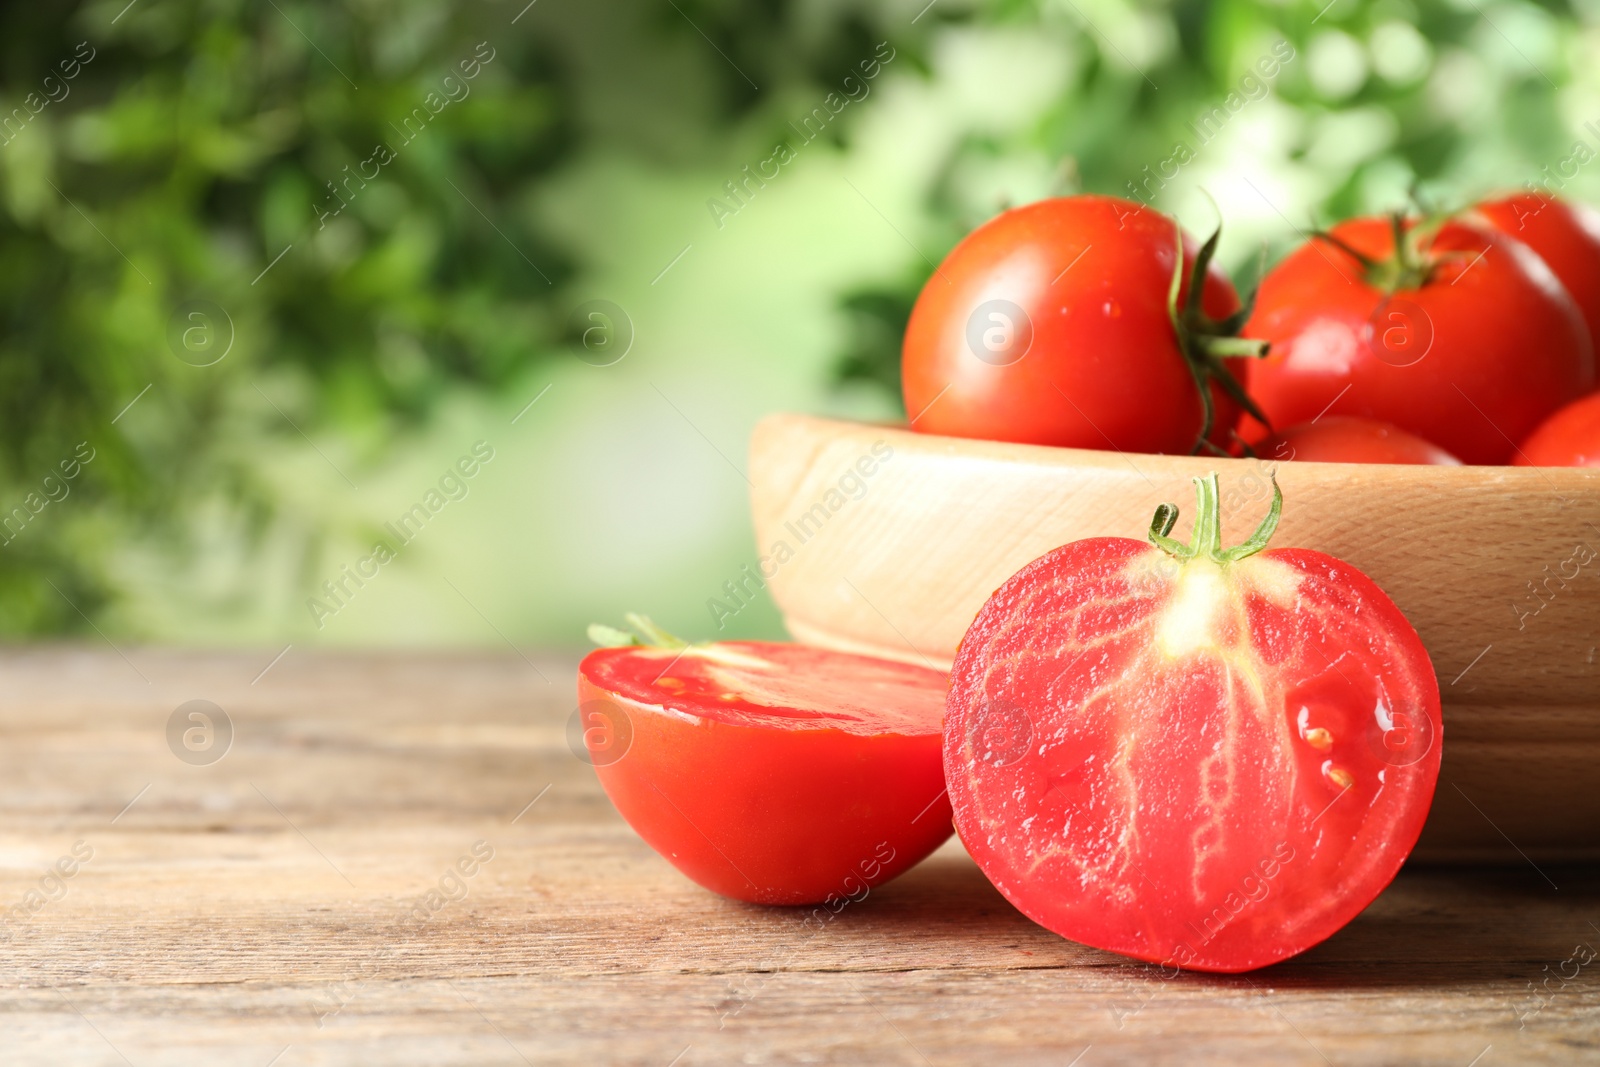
(261,910)
(897,561)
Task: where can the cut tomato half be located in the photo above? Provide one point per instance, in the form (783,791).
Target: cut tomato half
(1203,758)
(768,772)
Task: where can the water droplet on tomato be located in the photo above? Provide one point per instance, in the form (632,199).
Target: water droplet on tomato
(1112,309)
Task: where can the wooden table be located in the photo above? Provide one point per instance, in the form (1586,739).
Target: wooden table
(272,907)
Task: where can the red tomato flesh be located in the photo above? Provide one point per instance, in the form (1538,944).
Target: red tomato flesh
(1208,766)
(1347,439)
(1569,438)
(1470,358)
(767,772)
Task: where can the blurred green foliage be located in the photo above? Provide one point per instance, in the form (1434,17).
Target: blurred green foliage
(350,184)
(194,146)
(257,157)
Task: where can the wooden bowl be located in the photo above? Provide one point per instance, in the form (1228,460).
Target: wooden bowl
(876,539)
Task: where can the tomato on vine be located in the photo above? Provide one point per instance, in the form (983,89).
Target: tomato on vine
(1348,439)
(1073,322)
(1451,331)
(1569,438)
(1566,235)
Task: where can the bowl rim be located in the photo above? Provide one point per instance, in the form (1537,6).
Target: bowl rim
(1510,477)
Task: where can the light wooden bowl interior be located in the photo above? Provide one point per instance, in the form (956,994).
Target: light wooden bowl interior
(880,540)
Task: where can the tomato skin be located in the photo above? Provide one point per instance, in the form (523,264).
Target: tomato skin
(1134,796)
(1104,368)
(1565,235)
(1569,438)
(1347,439)
(1501,344)
(763,811)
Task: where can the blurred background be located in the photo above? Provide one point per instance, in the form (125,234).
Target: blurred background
(275,273)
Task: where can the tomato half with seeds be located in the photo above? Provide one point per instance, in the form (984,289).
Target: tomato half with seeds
(1569,438)
(1564,234)
(1457,333)
(1072,322)
(1209,759)
(768,772)
(1348,439)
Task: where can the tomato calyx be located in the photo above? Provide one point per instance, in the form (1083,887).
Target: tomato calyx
(1206,342)
(642,632)
(1410,266)
(1206,536)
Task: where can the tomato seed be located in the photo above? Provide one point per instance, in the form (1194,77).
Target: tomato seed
(1318,737)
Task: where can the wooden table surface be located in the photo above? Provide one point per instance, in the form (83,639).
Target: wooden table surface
(273,907)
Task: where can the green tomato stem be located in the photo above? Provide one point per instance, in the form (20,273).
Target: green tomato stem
(1206,342)
(610,637)
(642,632)
(1206,535)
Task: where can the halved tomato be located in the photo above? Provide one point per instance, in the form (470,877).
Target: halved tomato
(1457,333)
(768,772)
(1205,758)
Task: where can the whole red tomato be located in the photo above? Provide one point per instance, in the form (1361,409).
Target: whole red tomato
(1567,238)
(1053,324)
(771,773)
(1209,759)
(1458,333)
(1569,438)
(1348,439)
